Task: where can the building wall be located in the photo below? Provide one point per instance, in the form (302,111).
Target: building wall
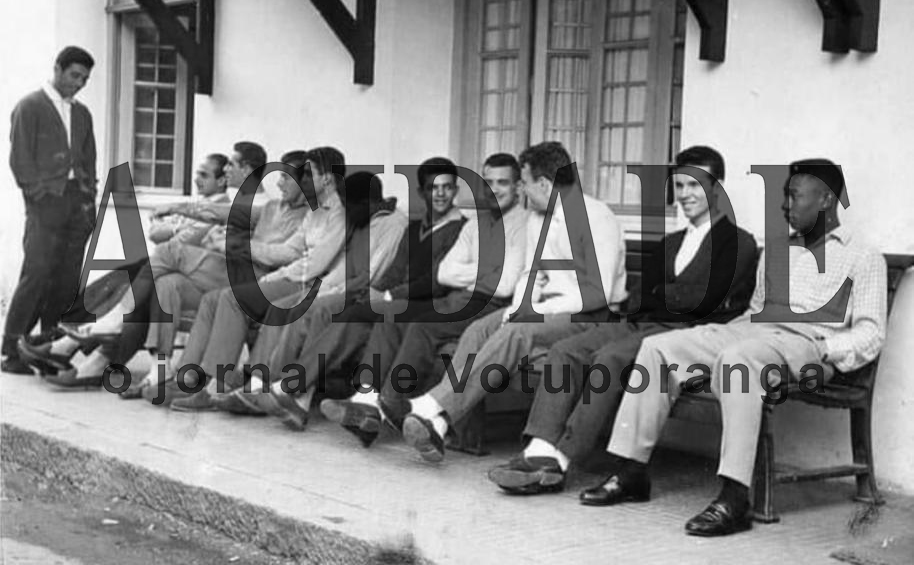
(777,98)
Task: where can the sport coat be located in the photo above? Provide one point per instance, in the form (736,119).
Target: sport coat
(40,156)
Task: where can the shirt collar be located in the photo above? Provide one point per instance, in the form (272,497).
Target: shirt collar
(55,96)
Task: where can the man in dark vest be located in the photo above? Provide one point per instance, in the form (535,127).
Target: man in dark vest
(53,160)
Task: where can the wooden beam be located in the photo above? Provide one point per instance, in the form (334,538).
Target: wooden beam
(197,49)
(356,34)
(849,24)
(712,17)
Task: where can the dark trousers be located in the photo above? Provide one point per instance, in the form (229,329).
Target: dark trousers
(56,231)
(575,424)
(412,349)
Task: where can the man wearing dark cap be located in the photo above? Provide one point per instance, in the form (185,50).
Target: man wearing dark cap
(761,349)
(52,156)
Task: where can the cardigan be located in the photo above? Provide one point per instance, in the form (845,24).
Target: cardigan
(41,156)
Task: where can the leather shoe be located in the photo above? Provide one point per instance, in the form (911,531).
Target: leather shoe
(40,357)
(235,402)
(361,420)
(66,380)
(199,402)
(533,475)
(420,434)
(16,366)
(614,490)
(720,518)
(284,407)
(89,340)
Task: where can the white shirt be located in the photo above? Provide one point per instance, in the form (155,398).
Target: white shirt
(690,244)
(63,107)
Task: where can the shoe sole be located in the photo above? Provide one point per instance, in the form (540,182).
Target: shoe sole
(418,437)
(625,500)
(527,482)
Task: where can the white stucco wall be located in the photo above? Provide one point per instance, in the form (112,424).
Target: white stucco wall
(778,98)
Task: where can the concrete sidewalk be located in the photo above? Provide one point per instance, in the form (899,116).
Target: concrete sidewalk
(318,497)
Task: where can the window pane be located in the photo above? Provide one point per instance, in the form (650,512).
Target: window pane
(642,27)
(142,122)
(142,174)
(636,101)
(167,75)
(615,184)
(490,109)
(142,148)
(638,70)
(146,55)
(146,73)
(493,14)
(165,149)
(167,56)
(631,190)
(165,123)
(633,145)
(145,97)
(163,176)
(167,98)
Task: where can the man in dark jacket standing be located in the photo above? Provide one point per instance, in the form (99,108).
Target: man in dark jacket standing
(53,160)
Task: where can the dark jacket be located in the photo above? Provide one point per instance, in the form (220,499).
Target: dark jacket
(715,286)
(40,156)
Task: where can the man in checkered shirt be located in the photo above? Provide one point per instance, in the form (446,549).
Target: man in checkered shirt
(844,331)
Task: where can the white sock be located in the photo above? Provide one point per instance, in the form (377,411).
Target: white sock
(256,385)
(427,407)
(542,448)
(113,321)
(370,398)
(64,346)
(93,366)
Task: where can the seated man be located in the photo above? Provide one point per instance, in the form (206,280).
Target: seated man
(690,268)
(391,278)
(204,267)
(846,334)
(594,286)
(211,182)
(343,342)
(221,324)
(376,230)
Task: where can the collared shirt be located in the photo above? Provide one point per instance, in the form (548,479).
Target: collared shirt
(691,241)
(558,292)
(858,338)
(459,267)
(453,215)
(312,248)
(64,107)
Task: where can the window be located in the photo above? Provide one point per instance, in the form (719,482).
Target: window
(602,77)
(154,108)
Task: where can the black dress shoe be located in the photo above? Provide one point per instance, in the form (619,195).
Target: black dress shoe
(16,366)
(40,357)
(720,518)
(533,475)
(67,380)
(614,490)
(89,340)
(282,406)
(361,420)
(420,434)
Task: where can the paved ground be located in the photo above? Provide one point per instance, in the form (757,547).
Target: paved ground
(319,498)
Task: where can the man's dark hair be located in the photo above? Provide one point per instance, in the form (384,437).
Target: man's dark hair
(824,169)
(703,156)
(296,159)
(361,191)
(549,159)
(252,155)
(503,160)
(72,54)
(329,160)
(221,161)
(431,168)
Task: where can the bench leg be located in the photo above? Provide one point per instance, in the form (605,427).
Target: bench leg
(469,433)
(763,477)
(862,444)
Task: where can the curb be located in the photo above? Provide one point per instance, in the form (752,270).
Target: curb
(93,472)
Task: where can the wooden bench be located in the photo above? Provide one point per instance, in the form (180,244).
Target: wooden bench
(852,391)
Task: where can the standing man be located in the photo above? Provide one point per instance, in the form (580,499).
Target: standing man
(53,160)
